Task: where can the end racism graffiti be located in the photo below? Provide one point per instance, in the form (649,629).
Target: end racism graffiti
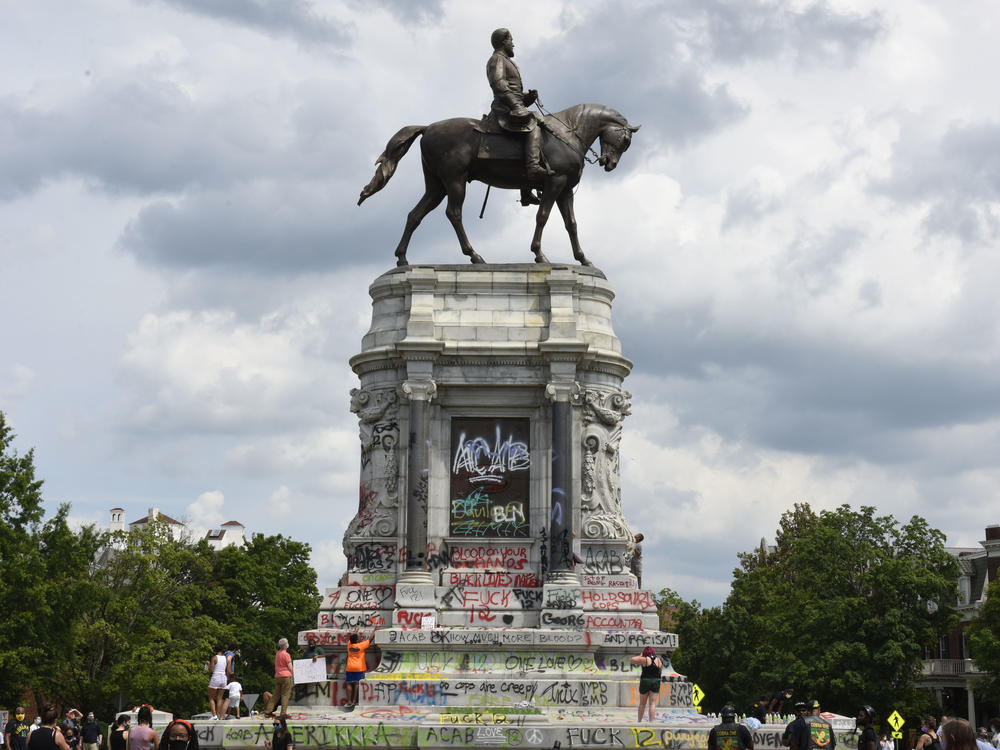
(490,470)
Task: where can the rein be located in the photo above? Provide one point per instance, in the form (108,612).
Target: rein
(583,151)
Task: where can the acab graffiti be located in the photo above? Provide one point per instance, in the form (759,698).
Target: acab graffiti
(490,464)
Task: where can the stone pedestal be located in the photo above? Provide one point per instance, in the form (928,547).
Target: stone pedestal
(489,545)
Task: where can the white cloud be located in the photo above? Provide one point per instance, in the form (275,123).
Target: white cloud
(206,512)
(280,502)
(208,370)
(16,380)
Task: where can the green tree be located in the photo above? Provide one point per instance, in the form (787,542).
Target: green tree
(267,590)
(840,610)
(984,640)
(142,634)
(704,651)
(98,620)
(21,573)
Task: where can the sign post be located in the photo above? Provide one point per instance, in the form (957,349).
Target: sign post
(896,722)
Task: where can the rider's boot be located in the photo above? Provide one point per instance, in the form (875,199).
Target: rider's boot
(532,155)
(528,198)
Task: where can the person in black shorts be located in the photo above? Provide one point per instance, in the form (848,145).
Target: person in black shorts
(649,680)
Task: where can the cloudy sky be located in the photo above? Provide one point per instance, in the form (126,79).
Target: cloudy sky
(802,237)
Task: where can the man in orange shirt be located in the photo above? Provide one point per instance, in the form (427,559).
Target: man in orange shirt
(355,671)
(282,679)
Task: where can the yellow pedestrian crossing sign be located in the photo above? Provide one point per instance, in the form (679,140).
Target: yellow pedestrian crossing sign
(697,694)
(895,720)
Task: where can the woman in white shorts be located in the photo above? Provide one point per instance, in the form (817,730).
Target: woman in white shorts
(217,684)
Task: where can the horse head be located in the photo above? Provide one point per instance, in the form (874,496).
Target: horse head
(615,140)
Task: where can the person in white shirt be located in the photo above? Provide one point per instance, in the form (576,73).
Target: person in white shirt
(235,695)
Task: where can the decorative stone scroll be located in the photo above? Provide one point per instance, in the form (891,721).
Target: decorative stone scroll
(378,502)
(600,497)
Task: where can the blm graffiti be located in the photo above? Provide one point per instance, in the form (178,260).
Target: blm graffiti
(490,469)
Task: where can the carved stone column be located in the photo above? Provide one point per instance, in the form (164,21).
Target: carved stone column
(561,517)
(373,528)
(419,394)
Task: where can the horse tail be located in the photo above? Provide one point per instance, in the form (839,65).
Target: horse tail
(395,150)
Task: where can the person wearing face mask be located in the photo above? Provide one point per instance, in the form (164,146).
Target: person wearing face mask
(15,732)
(179,735)
(282,739)
(90,733)
(928,739)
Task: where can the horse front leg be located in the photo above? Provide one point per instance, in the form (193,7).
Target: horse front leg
(433,195)
(456,197)
(549,193)
(565,202)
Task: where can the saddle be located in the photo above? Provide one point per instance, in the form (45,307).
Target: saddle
(497,143)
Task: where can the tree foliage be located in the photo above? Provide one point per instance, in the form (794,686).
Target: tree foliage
(984,641)
(839,609)
(100,620)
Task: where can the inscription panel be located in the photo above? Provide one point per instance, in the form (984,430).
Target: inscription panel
(490,469)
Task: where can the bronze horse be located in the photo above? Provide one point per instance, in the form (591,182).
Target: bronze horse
(450,152)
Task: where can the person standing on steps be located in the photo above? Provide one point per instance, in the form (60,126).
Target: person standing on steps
(355,667)
(649,680)
(283,674)
(636,563)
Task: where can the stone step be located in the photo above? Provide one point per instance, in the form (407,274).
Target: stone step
(348,619)
(597,692)
(489,578)
(488,598)
(625,640)
(381,596)
(463,664)
(405,727)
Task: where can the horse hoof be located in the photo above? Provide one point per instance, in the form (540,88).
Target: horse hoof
(402,262)
(585,262)
(476,258)
(540,258)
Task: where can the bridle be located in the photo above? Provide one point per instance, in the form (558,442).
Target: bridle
(582,148)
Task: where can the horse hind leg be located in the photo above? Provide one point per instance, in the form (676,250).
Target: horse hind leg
(434,193)
(456,197)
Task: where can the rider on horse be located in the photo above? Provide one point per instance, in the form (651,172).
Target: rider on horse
(509,107)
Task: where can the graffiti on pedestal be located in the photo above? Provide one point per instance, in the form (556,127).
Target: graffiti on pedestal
(490,470)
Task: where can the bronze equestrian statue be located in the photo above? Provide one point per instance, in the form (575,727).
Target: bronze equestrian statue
(457,151)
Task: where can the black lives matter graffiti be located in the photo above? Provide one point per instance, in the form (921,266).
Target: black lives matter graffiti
(490,469)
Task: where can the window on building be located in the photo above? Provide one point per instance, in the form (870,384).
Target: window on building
(964,591)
